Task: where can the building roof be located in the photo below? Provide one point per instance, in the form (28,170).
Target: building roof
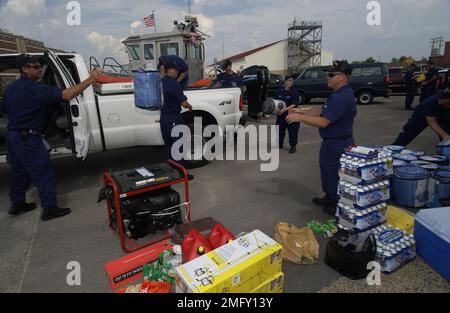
(249,52)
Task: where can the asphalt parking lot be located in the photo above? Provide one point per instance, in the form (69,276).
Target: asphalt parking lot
(34,254)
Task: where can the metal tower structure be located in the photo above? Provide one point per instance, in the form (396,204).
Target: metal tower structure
(436,45)
(304,45)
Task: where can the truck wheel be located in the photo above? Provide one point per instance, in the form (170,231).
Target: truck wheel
(197,160)
(365,97)
(302,98)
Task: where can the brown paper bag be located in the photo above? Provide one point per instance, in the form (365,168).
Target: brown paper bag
(300,246)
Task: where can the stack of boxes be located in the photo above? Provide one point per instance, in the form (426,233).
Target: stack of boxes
(364,190)
(249,264)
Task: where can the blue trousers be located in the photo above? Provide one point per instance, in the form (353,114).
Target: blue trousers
(330,154)
(416,124)
(30,162)
(168,122)
(409,100)
(293,130)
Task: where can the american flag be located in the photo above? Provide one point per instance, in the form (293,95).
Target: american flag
(149,20)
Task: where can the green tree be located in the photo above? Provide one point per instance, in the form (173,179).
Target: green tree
(370,60)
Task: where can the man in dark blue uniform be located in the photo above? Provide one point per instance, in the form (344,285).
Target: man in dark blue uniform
(335,121)
(28,106)
(174,101)
(430,83)
(230,79)
(410,87)
(290,96)
(433,112)
(183,70)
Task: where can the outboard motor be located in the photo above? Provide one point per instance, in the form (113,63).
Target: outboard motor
(253,78)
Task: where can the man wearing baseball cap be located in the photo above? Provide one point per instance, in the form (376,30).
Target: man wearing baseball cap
(335,123)
(28,106)
(433,112)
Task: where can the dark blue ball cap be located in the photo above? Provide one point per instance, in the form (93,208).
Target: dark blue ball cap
(170,65)
(342,67)
(24,59)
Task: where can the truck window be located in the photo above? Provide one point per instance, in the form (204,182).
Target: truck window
(171,48)
(311,74)
(135,52)
(149,52)
(367,71)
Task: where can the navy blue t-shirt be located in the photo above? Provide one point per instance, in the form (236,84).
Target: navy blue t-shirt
(290,97)
(28,103)
(340,109)
(431,87)
(173,96)
(432,108)
(229,81)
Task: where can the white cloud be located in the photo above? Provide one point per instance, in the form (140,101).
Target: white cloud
(107,45)
(136,27)
(206,24)
(25,7)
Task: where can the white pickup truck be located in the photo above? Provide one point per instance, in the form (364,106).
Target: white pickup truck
(96,121)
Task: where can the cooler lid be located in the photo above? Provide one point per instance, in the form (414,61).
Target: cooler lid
(410,172)
(400,163)
(405,157)
(437,221)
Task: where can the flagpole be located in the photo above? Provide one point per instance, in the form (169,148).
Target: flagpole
(154,20)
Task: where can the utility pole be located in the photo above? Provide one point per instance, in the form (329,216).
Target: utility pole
(189,7)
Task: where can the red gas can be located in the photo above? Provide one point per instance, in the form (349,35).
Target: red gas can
(194,245)
(220,236)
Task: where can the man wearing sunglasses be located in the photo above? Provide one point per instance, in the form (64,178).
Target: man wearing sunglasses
(28,105)
(335,121)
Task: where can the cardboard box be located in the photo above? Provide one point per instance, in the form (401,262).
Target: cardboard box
(273,285)
(238,267)
(129,268)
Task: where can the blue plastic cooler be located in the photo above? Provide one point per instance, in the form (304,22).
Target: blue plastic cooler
(432,234)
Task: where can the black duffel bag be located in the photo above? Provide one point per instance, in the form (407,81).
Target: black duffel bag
(347,261)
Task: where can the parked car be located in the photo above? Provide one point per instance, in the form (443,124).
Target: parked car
(368,81)
(275,81)
(108,119)
(397,79)
(442,78)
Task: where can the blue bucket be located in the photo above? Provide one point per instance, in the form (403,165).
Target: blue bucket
(413,152)
(395,149)
(404,157)
(438,189)
(436,159)
(428,166)
(409,186)
(398,163)
(443,148)
(147,90)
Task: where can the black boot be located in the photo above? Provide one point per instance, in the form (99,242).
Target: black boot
(49,214)
(190,177)
(325,201)
(293,150)
(17,209)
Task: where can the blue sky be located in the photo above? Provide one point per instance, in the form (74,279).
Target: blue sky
(407,25)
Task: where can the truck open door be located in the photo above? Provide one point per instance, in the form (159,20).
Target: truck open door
(76,113)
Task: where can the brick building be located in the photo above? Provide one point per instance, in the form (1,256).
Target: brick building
(443,60)
(11,43)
